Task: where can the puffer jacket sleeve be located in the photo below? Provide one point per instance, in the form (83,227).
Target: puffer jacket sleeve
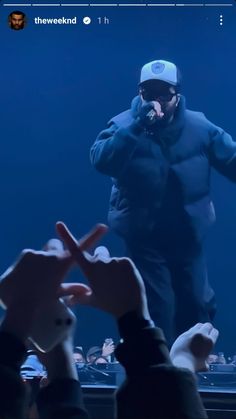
(222,152)
(114,148)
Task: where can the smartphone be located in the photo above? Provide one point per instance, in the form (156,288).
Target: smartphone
(52,324)
(53,321)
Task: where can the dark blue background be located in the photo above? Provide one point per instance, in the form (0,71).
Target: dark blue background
(58,87)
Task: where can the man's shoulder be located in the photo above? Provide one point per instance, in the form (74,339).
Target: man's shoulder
(195,115)
(197,118)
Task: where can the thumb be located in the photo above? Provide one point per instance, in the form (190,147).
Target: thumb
(77,293)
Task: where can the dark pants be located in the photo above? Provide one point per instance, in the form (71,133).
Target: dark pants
(175,278)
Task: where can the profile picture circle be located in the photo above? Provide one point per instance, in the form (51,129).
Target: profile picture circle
(17,20)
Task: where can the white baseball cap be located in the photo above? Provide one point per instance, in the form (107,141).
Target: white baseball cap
(160,70)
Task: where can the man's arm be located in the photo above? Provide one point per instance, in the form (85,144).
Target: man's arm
(222,153)
(114,148)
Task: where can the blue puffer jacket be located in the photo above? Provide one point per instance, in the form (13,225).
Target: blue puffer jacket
(161,179)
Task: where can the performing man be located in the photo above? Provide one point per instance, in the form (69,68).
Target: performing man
(159,155)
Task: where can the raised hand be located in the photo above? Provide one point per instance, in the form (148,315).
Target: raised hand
(115,284)
(191,349)
(36,275)
(108,348)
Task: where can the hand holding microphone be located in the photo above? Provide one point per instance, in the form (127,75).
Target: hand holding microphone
(158,109)
(150,113)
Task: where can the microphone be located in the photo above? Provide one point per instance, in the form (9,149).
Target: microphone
(148,115)
(152,116)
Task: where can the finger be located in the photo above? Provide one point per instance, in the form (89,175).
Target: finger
(102,252)
(54,245)
(92,237)
(86,241)
(70,289)
(214,335)
(194,329)
(206,328)
(82,259)
(78,294)
(157,105)
(66,236)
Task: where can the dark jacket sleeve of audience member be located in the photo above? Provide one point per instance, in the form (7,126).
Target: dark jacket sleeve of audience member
(154,388)
(62,399)
(13,390)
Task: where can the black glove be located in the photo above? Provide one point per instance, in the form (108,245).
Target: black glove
(147,115)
